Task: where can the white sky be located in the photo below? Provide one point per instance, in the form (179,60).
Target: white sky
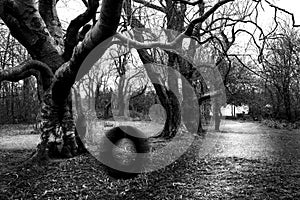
(292,6)
(69,9)
(73,8)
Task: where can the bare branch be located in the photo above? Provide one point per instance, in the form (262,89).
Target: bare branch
(105,28)
(173,45)
(150,5)
(47,10)
(188,2)
(285,11)
(71,38)
(29,68)
(139,93)
(145,57)
(208,96)
(245,66)
(30,31)
(191,26)
(85,3)
(83,32)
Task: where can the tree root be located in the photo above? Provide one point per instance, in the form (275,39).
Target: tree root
(38,157)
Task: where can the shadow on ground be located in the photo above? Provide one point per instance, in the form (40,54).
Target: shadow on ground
(190,177)
(245,161)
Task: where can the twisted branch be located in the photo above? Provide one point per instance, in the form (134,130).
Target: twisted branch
(150,5)
(29,68)
(71,38)
(105,28)
(47,10)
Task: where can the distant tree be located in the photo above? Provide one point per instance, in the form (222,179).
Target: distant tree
(142,103)
(57,56)
(281,69)
(243,87)
(19,101)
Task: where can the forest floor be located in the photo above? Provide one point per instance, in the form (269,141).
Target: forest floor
(244,161)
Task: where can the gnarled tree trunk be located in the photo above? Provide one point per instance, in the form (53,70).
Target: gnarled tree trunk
(57,60)
(36,26)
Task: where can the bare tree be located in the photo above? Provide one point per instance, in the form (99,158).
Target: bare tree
(57,57)
(219,25)
(280,68)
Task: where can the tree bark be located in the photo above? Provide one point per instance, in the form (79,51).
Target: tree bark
(217,114)
(40,34)
(287,103)
(190,111)
(167,98)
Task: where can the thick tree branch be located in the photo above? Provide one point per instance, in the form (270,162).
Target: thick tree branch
(85,3)
(175,44)
(191,26)
(83,32)
(208,96)
(105,28)
(188,2)
(166,97)
(30,68)
(47,10)
(145,57)
(71,38)
(27,26)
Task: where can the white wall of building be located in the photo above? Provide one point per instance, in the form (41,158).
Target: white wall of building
(228,110)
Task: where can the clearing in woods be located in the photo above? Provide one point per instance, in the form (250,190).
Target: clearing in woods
(245,161)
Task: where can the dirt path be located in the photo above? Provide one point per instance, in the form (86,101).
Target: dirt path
(248,140)
(221,171)
(19,142)
(19,139)
(252,140)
